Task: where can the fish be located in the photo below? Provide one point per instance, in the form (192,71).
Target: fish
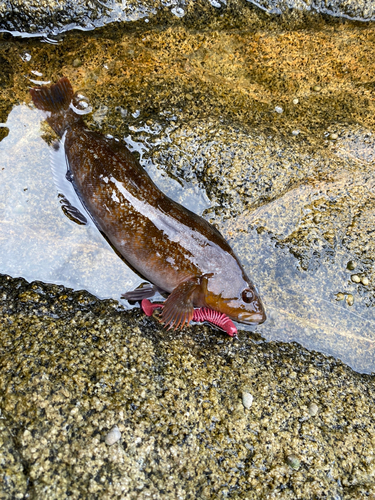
(178,252)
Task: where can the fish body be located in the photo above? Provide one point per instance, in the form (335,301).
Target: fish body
(175,249)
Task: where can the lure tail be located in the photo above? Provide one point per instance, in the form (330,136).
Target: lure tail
(56,99)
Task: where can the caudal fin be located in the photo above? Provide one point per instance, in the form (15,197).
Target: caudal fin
(55,98)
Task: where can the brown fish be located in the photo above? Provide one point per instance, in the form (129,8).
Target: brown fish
(175,249)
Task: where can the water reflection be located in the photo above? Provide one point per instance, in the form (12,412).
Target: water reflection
(37,241)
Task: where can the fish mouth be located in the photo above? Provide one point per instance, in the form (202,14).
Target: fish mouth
(252,318)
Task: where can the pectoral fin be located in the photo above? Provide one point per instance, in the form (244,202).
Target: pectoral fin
(179,307)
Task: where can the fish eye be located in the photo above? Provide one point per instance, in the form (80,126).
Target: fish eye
(247,296)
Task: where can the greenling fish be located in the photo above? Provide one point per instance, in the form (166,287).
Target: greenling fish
(177,251)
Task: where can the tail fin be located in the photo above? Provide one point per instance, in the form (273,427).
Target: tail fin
(55,98)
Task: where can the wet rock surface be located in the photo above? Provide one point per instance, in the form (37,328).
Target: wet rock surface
(361,10)
(72,370)
(50,18)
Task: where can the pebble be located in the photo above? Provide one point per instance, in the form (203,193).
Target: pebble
(351,265)
(356,278)
(365,281)
(317,88)
(279,109)
(293,462)
(178,11)
(113,436)
(77,63)
(313,409)
(333,137)
(350,299)
(317,218)
(295,101)
(247,400)
(295,132)
(340,296)
(189,97)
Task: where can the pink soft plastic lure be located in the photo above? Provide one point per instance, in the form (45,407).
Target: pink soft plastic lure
(202,314)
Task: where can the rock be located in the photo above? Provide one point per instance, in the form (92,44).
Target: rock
(361,10)
(119,364)
(52,18)
(350,299)
(293,461)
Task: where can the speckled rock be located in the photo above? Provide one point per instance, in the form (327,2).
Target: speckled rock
(361,10)
(14,483)
(51,18)
(69,374)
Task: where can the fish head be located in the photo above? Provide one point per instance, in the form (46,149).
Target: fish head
(240,303)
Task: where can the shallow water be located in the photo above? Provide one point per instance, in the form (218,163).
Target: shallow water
(38,242)
(293,204)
